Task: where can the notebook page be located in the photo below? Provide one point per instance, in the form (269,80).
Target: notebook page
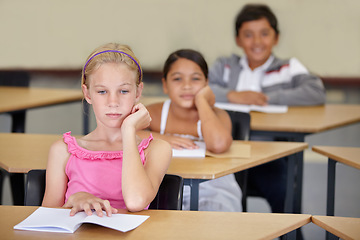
(198,152)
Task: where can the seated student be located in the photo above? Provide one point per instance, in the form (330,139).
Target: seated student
(190,115)
(260,78)
(110,168)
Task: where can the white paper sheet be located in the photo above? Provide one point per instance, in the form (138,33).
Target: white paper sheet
(59,220)
(247,108)
(198,152)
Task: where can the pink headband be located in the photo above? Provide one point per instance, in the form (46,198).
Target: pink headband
(116,52)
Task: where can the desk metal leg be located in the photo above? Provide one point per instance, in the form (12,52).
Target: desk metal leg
(330,204)
(194,192)
(298,189)
(298,170)
(298,165)
(17,183)
(298,178)
(299,173)
(18,121)
(290,185)
(299,182)
(17,179)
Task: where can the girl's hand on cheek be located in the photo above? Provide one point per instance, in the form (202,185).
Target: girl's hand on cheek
(207,94)
(139,118)
(83,201)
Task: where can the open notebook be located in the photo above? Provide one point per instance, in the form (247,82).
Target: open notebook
(236,150)
(59,220)
(247,108)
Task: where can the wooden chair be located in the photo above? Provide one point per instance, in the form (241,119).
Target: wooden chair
(169,196)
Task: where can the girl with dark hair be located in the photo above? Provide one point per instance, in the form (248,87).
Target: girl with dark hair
(190,115)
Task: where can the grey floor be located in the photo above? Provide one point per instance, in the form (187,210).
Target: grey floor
(62,118)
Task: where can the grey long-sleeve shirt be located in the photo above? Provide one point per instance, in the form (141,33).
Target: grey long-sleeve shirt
(285,82)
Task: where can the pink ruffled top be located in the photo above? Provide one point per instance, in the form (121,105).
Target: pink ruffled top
(97,172)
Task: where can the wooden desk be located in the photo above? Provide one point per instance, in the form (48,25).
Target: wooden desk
(20,152)
(295,125)
(16,100)
(22,98)
(306,120)
(299,122)
(165,224)
(345,155)
(193,170)
(343,227)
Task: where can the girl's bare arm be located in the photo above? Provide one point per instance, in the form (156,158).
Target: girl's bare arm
(140,183)
(56,179)
(215,123)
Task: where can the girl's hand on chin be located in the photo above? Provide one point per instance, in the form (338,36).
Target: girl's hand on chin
(207,94)
(139,118)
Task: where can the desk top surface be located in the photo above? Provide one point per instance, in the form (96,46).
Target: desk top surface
(21,98)
(35,147)
(309,119)
(346,155)
(165,224)
(211,168)
(343,227)
(298,119)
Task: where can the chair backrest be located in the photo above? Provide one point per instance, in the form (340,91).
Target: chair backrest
(240,125)
(35,187)
(169,196)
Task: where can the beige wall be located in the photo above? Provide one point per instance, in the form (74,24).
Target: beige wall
(323,34)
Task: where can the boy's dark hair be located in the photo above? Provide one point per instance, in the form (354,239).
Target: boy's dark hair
(251,12)
(189,54)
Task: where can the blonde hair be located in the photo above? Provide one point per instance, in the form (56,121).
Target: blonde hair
(111,53)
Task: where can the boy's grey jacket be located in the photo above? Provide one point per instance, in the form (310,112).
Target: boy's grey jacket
(297,87)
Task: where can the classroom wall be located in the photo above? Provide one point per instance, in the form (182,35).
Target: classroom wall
(42,34)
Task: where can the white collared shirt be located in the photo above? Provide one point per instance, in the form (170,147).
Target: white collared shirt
(250,80)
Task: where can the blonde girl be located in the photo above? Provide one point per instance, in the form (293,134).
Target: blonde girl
(110,168)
